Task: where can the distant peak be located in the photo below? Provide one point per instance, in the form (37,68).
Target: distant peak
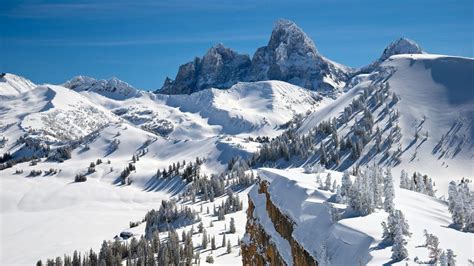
(401,46)
(112,87)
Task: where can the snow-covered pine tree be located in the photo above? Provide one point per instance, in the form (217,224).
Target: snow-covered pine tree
(395,219)
(450,257)
(232,226)
(443,259)
(389,193)
(229,247)
(404,182)
(399,250)
(328,182)
(346,184)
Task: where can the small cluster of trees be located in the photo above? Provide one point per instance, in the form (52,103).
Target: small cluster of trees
(214,186)
(91,168)
(364,195)
(80,178)
(60,154)
(114,145)
(436,254)
(461,205)
(135,252)
(419,183)
(34,173)
(259,139)
(231,204)
(124,175)
(5,157)
(168,216)
(394,231)
(188,171)
(51,171)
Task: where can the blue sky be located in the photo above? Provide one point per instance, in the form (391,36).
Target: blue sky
(142,42)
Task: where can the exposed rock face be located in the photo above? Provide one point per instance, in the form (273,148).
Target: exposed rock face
(399,46)
(220,68)
(291,56)
(252,253)
(258,248)
(113,88)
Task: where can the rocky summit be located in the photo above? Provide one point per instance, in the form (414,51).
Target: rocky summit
(290,56)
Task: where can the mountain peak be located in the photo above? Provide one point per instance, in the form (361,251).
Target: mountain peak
(287,34)
(401,46)
(291,56)
(11,84)
(220,67)
(113,87)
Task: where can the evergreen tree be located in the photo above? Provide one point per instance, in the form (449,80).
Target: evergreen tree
(200,227)
(443,260)
(395,220)
(204,239)
(404,180)
(399,251)
(346,184)
(232,226)
(450,257)
(213,243)
(229,247)
(328,182)
(388,192)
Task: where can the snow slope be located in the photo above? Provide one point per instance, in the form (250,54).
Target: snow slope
(66,115)
(358,239)
(253,109)
(436,100)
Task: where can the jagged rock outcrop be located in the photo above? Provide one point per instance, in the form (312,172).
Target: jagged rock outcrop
(220,67)
(399,46)
(259,247)
(290,56)
(113,88)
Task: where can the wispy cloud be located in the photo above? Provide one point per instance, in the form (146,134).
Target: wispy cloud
(108,9)
(135,41)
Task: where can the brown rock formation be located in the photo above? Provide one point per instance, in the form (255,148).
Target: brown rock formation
(258,249)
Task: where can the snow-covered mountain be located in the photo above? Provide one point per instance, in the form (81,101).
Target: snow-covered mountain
(400,46)
(290,56)
(434,110)
(220,67)
(11,85)
(112,88)
(103,149)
